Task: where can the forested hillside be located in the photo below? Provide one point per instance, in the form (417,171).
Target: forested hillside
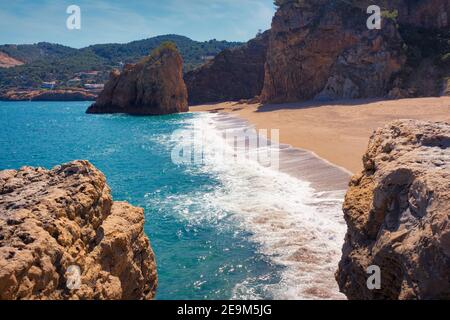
(53,62)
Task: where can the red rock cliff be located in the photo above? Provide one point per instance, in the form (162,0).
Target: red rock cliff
(154,86)
(234,74)
(323,50)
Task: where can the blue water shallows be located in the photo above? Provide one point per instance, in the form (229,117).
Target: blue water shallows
(219,230)
(201,258)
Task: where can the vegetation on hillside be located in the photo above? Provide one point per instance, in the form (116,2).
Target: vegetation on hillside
(51,62)
(32,52)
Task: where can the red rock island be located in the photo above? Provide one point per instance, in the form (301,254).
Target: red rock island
(153,86)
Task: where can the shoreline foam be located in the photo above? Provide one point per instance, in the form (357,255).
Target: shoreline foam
(297,162)
(295,219)
(337,131)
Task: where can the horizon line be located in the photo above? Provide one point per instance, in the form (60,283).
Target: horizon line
(120,43)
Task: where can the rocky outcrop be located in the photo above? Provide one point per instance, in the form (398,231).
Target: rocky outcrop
(153,86)
(398,213)
(62,237)
(323,50)
(49,95)
(232,75)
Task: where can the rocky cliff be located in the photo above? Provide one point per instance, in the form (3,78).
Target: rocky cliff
(55,223)
(234,74)
(154,86)
(323,50)
(398,213)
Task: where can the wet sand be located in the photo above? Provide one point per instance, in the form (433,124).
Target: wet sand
(322,175)
(337,131)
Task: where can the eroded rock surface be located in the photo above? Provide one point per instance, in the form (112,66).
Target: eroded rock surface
(232,75)
(323,50)
(398,215)
(51,220)
(154,86)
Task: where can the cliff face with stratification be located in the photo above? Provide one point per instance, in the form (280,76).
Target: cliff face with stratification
(154,86)
(234,74)
(398,215)
(52,221)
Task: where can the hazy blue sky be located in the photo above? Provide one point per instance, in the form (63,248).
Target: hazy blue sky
(104,21)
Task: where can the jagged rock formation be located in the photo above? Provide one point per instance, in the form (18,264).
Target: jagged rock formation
(232,75)
(323,50)
(154,86)
(398,213)
(51,220)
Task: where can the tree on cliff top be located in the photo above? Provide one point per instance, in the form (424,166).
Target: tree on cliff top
(166,45)
(155,54)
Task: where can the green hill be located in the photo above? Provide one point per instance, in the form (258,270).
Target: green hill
(32,52)
(53,62)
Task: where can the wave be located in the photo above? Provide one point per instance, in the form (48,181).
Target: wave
(297,224)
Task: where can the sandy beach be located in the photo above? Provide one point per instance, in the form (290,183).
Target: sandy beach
(337,131)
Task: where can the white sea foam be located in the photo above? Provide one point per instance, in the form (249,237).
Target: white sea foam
(299,228)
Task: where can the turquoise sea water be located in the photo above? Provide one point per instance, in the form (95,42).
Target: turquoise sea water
(228,228)
(202,253)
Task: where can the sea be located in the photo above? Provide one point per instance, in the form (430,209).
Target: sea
(220,228)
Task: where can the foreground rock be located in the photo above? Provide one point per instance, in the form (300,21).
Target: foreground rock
(398,215)
(233,75)
(52,222)
(154,86)
(49,95)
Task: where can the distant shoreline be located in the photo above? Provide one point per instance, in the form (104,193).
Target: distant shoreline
(49,95)
(336,131)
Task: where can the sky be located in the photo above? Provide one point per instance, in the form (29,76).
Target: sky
(121,21)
